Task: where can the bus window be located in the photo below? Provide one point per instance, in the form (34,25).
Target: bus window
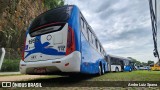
(82,23)
(94,40)
(96,43)
(90,35)
(53,28)
(84,29)
(56,15)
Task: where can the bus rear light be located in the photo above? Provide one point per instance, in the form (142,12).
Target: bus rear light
(66,64)
(70,41)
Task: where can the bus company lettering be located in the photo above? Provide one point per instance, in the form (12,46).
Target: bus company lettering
(26,84)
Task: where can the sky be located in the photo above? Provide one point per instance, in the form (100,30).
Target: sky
(122,26)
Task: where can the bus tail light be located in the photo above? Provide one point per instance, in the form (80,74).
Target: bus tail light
(23,49)
(70,41)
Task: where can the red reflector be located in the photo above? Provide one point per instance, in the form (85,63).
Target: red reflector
(66,64)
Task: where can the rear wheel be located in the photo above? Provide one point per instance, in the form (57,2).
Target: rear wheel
(130,70)
(116,69)
(100,71)
(103,70)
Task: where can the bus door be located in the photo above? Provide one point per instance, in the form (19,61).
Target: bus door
(122,65)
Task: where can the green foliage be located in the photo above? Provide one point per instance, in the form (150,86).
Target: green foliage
(150,62)
(53,3)
(10,65)
(135,61)
(144,64)
(130,76)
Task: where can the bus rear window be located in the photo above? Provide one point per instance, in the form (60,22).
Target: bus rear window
(44,20)
(53,28)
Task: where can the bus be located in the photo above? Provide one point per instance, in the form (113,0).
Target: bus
(116,63)
(155,67)
(61,40)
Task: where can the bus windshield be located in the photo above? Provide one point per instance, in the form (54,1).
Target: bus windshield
(52,16)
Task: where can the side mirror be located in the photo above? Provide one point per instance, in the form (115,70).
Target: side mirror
(155,53)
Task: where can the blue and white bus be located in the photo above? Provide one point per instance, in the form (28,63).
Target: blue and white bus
(116,63)
(61,40)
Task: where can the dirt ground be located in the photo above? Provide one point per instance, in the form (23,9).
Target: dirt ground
(20,77)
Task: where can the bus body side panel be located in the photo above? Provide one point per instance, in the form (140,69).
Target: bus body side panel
(127,68)
(113,67)
(90,58)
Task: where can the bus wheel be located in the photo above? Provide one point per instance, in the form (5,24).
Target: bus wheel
(116,69)
(100,70)
(130,70)
(103,71)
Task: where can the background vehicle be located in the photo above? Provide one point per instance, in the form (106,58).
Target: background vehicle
(61,40)
(155,67)
(116,63)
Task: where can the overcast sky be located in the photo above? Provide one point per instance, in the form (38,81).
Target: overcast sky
(122,26)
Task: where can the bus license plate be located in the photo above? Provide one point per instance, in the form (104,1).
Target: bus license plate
(39,70)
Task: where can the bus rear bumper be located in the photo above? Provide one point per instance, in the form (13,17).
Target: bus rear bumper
(69,63)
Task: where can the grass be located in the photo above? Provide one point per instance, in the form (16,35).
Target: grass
(139,75)
(10,65)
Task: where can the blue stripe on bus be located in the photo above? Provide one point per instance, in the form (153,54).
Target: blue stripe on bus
(40,48)
(75,24)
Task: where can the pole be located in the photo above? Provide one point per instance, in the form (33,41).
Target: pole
(2,57)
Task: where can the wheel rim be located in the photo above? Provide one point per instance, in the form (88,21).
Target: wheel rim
(117,70)
(99,70)
(103,70)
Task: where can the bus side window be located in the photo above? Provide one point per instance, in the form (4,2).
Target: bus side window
(99,48)
(84,29)
(82,24)
(90,35)
(96,43)
(92,38)
(103,53)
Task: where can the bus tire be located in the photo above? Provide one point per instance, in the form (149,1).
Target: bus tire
(116,69)
(130,70)
(100,71)
(103,71)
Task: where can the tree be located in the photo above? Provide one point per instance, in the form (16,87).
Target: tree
(53,3)
(144,64)
(150,62)
(135,61)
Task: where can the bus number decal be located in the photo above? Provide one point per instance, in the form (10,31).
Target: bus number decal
(61,48)
(33,41)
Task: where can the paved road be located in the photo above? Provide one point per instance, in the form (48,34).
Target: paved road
(9,73)
(21,77)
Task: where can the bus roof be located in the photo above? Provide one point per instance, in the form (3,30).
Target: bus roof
(114,56)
